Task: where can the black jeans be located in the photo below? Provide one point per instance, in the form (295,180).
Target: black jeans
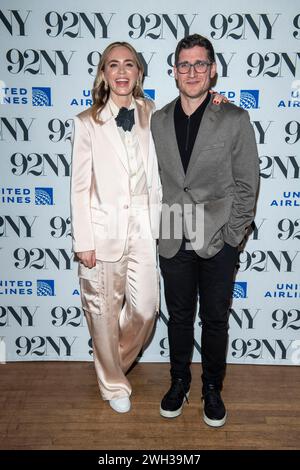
(186,276)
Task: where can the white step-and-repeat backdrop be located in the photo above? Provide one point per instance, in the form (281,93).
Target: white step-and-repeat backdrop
(49,51)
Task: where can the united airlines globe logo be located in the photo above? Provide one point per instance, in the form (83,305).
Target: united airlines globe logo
(41,96)
(44,196)
(249,99)
(239,290)
(45,287)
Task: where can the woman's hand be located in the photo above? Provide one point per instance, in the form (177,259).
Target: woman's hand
(88,258)
(217,98)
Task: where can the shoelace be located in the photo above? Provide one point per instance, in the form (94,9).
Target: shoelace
(212,397)
(177,386)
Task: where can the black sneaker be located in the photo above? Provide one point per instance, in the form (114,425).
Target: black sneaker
(172,403)
(214,413)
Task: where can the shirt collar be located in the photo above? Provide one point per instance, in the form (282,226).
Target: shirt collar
(199,110)
(115,109)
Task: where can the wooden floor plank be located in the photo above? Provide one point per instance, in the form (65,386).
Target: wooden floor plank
(57,405)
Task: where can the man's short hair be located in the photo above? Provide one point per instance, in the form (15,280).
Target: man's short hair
(195,40)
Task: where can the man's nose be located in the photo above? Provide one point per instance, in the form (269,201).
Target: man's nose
(192,71)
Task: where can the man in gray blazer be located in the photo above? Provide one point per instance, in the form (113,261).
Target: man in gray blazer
(209,170)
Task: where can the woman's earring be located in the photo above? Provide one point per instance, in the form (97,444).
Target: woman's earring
(138,83)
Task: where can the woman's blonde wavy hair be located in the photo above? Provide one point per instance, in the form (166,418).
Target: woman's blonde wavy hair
(101,91)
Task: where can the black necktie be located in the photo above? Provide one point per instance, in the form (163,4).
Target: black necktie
(125,119)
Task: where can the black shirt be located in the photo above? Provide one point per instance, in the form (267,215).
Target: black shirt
(186,128)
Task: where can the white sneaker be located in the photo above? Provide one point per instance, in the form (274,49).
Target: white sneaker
(121,405)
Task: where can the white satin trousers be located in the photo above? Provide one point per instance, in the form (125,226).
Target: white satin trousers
(120,300)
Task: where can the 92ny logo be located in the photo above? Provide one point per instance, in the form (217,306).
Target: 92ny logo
(40,164)
(60,346)
(38,258)
(242,26)
(38,61)
(265,261)
(256,348)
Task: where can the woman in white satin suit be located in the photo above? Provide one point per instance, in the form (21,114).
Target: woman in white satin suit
(115,206)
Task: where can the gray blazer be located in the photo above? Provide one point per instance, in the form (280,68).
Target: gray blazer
(216,197)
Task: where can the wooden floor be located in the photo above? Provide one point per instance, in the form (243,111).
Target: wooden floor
(56,405)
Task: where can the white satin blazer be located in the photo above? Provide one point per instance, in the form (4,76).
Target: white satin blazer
(100,190)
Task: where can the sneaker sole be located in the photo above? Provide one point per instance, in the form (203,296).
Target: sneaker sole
(175,413)
(215,423)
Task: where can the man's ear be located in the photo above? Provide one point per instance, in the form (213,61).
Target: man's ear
(213,70)
(175,72)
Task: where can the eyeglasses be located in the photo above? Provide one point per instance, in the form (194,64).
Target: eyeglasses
(200,66)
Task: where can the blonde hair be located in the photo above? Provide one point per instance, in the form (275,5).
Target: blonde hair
(101,91)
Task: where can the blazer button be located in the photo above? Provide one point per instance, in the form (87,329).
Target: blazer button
(186,189)
(126,206)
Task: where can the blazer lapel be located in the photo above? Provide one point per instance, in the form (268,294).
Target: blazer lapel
(142,130)
(169,131)
(110,129)
(207,123)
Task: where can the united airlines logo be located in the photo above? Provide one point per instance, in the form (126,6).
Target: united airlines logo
(284,291)
(249,99)
(239,290)
(45,287)
(293,99)
(84,100)
(15,195)
(21,95)
(44,196)
(16,287)
(149,94)
(288,199)
(41,96)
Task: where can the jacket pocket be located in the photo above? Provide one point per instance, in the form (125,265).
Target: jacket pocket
(213,146)
(98,216)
